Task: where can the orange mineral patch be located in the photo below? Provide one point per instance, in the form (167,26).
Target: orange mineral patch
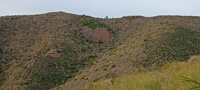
(21,51)
(97,34)
(192,58)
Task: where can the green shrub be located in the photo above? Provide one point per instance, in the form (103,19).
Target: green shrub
(93,24)
(83,50)
(113,33)
(99,42)
(195,40)
(113,66)
(2,78)
(87,40)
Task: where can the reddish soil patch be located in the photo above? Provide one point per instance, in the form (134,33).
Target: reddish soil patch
(97,34)
(58,46)
(54,53)
(21,51)
(192,58)
(46,47)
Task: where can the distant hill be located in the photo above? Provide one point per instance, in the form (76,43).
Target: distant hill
(67,51)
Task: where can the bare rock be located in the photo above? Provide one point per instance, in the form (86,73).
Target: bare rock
(97,34)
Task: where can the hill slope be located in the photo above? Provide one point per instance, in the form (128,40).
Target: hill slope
(66,51)
(173,76)
(151,46)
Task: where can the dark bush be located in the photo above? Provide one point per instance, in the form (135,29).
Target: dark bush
(113,66)
(2,78)
(1,50)
(99,42)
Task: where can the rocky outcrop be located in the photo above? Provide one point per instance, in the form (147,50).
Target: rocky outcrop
(97,34)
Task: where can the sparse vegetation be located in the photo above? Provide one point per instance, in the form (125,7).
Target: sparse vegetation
(41,52)
(49,71)
(93,24)
(178,45)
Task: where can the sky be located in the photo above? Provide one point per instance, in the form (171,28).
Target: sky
(102,8)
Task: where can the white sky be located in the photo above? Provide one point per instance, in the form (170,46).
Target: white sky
(102,8)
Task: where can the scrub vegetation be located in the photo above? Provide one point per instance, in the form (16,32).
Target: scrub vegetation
(66,51)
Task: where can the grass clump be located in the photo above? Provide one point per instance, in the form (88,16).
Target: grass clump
(173,76)
(2,78)
(93,24)
(193,84)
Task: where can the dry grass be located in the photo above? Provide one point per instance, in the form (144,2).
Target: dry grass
(170,77)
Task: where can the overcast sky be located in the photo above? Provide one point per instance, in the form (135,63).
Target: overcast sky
(102,8)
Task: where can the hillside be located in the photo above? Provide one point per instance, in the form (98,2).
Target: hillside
(173,76)
(67,51)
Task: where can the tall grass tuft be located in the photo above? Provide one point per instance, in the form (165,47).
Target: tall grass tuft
(167,78)
(191,83)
